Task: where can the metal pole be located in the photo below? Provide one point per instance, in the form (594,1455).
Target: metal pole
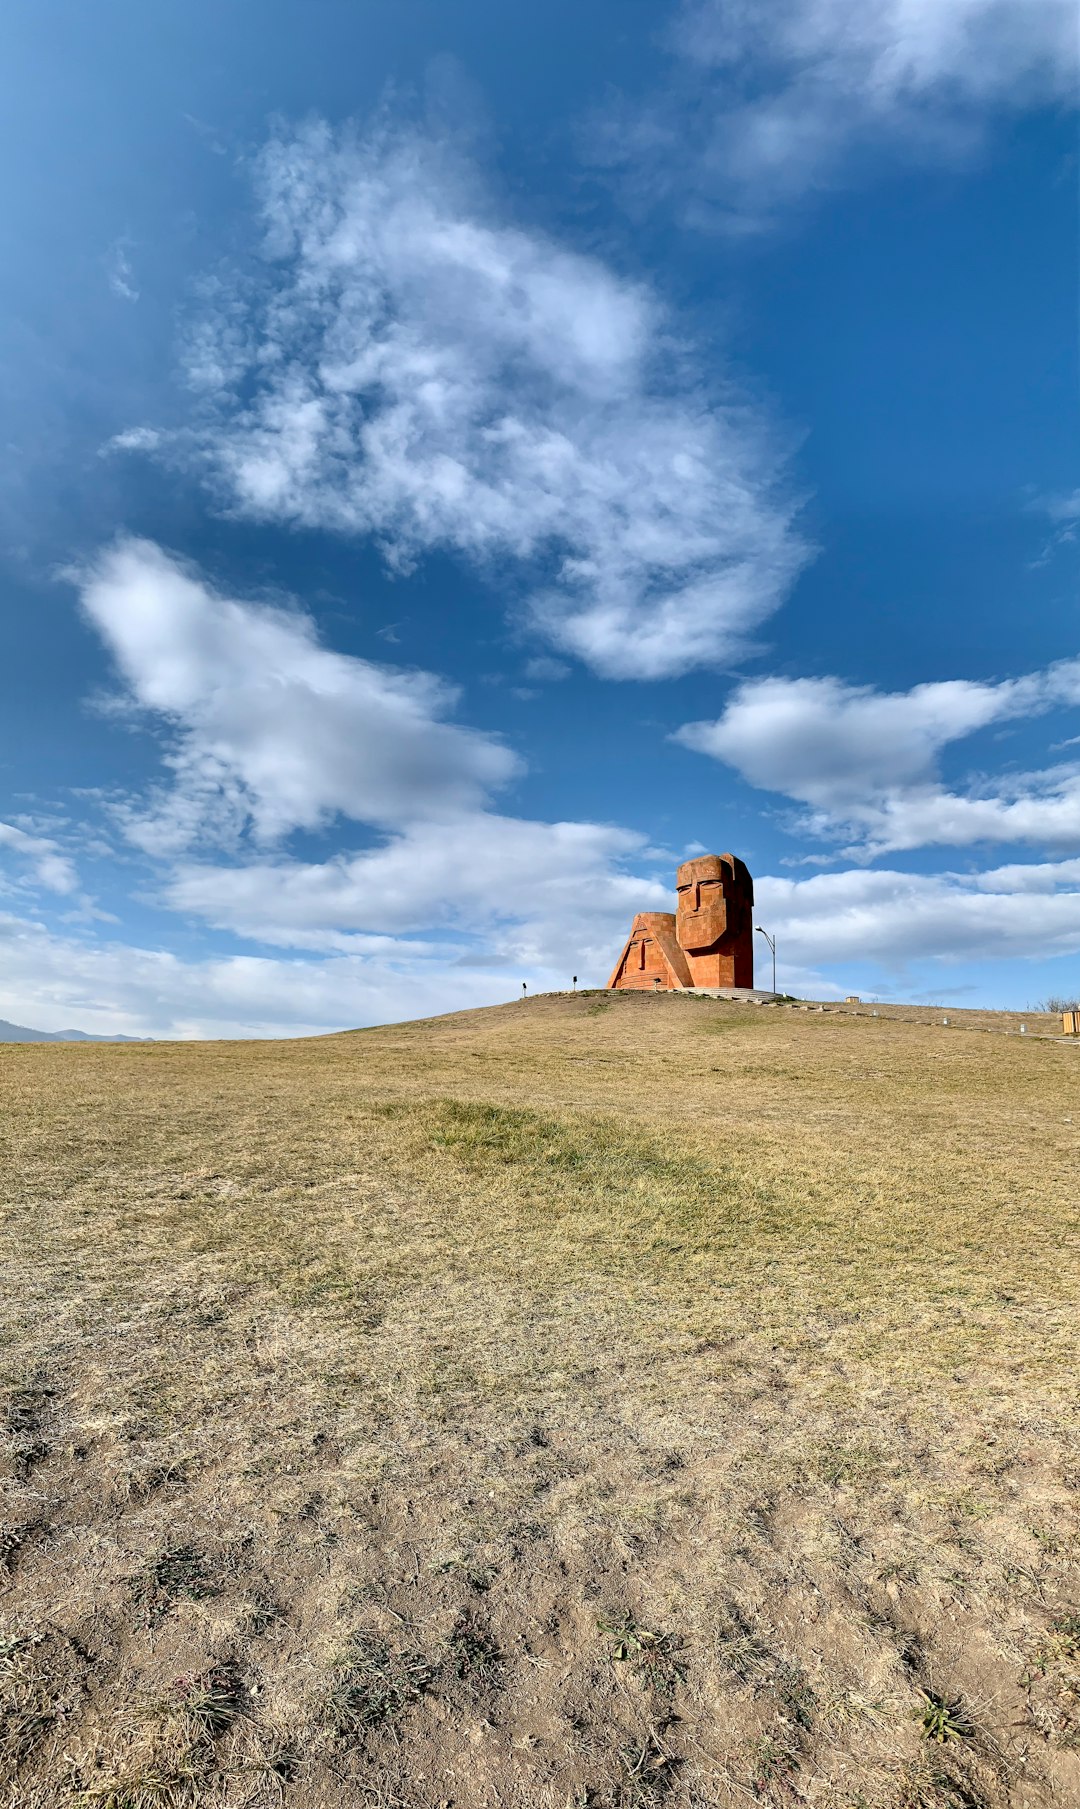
(771,940)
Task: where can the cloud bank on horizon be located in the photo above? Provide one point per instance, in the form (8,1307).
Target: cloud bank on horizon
(537,428)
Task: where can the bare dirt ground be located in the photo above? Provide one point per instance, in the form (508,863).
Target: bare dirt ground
(606,1401)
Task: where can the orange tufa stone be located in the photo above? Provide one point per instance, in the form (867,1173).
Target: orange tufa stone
(708,941)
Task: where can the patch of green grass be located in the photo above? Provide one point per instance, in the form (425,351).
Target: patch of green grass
(598,1160)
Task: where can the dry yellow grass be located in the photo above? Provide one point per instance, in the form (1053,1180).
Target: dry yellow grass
(602,1401)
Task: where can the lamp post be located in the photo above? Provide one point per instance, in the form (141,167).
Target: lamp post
(771,940)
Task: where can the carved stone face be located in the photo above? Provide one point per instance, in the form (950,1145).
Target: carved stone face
(702,886)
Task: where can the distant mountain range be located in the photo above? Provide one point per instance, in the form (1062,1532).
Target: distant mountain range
(18,1033)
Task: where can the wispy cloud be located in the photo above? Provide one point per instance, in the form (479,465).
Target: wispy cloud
(134,439)
(410,365)
(767,103)
(865,761)
(121,274)
(40,858)
(1063,512)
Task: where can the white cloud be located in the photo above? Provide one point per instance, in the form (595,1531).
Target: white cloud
(865,762)
(899,919)
(551,895)
(411,366)
(54,982)
(1039,808)
(773,101)
(48,866)
(271,730)
(134,439)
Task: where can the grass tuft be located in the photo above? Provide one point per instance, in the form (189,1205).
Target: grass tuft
(180,1573)
(373,1686)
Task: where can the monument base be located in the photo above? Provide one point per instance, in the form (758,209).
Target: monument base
(750,995)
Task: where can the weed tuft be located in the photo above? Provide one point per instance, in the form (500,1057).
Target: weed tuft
(740,1649)
(211,1700)
(652,1656)
(931,1786)
(1061,1645)
(23,1417)
(794,1694)
(942,1720)
(647,1773)
(773,1762)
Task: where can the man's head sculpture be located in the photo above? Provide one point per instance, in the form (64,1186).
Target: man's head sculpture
(710,940)
(714,921)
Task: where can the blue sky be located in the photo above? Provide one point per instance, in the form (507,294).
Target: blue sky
(457,461)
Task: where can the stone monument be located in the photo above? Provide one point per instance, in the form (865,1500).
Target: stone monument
(708,942)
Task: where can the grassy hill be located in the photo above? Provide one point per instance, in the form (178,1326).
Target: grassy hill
(606,1400)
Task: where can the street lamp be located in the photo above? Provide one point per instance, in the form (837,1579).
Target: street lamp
(771,940)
